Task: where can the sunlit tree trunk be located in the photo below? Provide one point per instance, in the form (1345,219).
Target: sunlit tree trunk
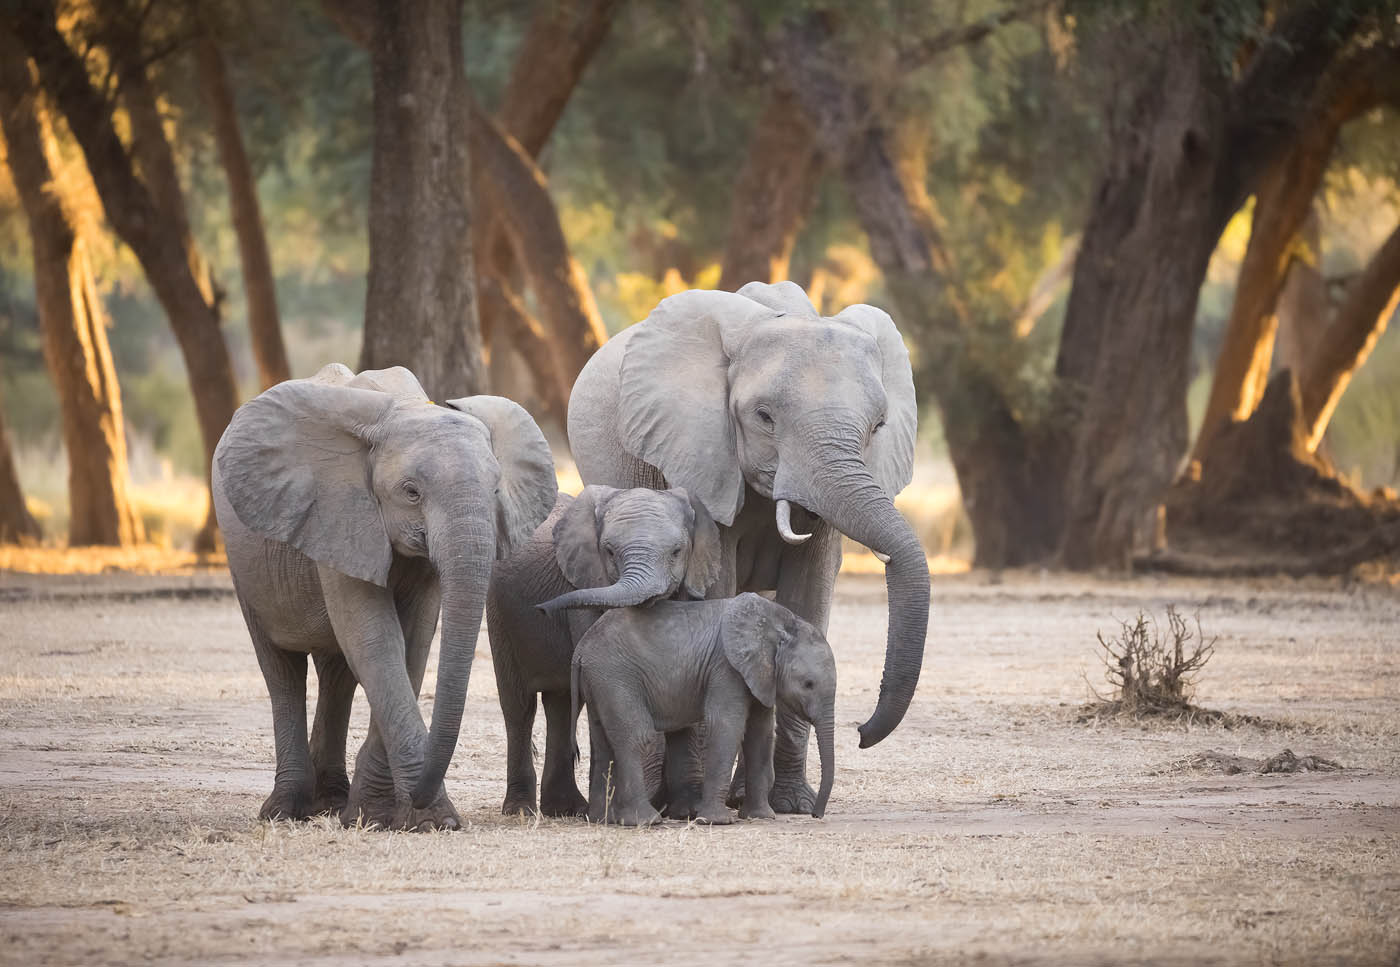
(1303,307)
(1343,346)
(772,195)
(71,322)
(259,289)
(17,525)
(147,212)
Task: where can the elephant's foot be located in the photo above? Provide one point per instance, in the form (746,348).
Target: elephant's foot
(288,802)
(517,806)
(332,793)
(793,796)
(764,811)
(387,811)
(640,814)
(441,814)
(714,816)
(569,803)
(735,799)
(683,806)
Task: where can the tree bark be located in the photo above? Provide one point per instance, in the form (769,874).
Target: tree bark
(146,212)
(772,195)
(1351,335)
(1186,148)
(71,322)
(532,343)
(420,310)
(1281,206)
(1303,306)
(17,524)
(1010,508)
(259,289)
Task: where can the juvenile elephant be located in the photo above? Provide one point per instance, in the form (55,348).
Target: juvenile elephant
(726,664)
(606,548)
(792,429)
(354,510)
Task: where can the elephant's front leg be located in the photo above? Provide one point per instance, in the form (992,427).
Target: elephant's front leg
(806,582)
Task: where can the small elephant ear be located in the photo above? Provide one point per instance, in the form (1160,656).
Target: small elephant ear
(576,538)
(703,570)
(396,381)
(891,457)
(528,485)
(673,404)
(293,465)
(785,297)
(750,631)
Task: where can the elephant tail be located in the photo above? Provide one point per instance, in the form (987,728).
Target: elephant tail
(573,705)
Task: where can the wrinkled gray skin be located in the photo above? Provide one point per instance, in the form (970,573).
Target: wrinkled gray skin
(680,664)
(606,548)
(751,399)
(353,511)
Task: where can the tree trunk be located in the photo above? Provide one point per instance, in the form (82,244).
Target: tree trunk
(1281,206)
(1010,507)
(1303,307)
(1350,336)
(17,525)
(420,311)
(532,343)
(773,193)
(147,212)
(71,322)
(259,289)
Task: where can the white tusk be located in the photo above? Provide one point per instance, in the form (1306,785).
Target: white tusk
(883,558)
(784,516)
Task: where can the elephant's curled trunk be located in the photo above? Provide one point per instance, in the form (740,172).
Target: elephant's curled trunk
(636,585)
(464,568)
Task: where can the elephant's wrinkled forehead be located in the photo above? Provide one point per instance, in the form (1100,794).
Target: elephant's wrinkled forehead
(652,513)
(427,435)
(829,357)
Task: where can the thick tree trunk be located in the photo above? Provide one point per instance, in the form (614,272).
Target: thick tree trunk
(772,196)
(148,214)
(420,311)
(532,343)
(259,289)
(1351,335)
(1281,206)
(1010,507)
(71,322)
(1303,307)
(17,525)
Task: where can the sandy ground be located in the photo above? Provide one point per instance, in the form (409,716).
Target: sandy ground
(992,827)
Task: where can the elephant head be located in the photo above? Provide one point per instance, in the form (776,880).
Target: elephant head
(351,470)
(785,661)
(726,391)
(622,548)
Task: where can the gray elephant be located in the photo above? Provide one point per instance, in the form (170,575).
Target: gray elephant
(354,510)
(680,664)
(606,548)
(778,420)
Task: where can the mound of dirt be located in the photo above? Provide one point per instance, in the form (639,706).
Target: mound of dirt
(1232,765)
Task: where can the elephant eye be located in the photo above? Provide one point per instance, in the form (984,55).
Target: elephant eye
(878,426)
(676,553)
(765,416)
(809,684)
(410,490)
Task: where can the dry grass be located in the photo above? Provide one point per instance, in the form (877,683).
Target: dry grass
(138,749)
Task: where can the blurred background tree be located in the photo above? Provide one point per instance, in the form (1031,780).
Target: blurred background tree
(1055,201)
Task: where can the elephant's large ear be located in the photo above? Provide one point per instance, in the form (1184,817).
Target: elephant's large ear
(576,538)
(750,632)
(785,297)
(528,485)
(703,570)
(673,405)
(293,466)
(891,458)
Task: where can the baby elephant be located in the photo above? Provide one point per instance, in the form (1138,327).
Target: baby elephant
(605,548)
(674,666)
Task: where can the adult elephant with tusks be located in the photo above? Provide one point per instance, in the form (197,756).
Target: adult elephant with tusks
(354,511)
(793,429)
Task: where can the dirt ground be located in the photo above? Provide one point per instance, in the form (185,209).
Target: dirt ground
(992,827)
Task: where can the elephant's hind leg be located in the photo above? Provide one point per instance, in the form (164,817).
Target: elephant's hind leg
(284,672)
(518,707)
(559,794)
(335,693)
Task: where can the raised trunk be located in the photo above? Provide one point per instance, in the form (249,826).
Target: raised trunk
(71,322)
(17,525)
(420,309)
(845,494)
(826,748)
(259,289)
(636,585)
(1350,336)
(462,548)
(772,195)
(147,214)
